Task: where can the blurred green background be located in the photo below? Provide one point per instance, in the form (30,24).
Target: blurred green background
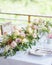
(27,6)
(42,7)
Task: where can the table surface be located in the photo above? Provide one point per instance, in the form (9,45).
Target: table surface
(24,57)
(36,60)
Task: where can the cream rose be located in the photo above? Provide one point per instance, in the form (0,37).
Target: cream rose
(25,40)
(16,32)
(30,30)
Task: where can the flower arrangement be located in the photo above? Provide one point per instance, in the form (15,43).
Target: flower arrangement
(23,38)
(44,27)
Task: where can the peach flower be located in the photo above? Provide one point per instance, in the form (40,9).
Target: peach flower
(13,44)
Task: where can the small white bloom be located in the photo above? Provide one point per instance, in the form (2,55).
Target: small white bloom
(7,48)
(34,35)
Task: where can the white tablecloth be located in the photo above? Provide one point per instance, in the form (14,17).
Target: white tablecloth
(22,58)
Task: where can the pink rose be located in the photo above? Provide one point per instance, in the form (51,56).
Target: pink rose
(13,44)
(18,40)
(35,27)
(49,35)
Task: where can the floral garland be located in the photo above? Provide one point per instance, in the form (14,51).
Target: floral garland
(21,39)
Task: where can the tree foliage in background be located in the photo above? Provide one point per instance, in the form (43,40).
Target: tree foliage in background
(28,6)
(26,1)
(23,0)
